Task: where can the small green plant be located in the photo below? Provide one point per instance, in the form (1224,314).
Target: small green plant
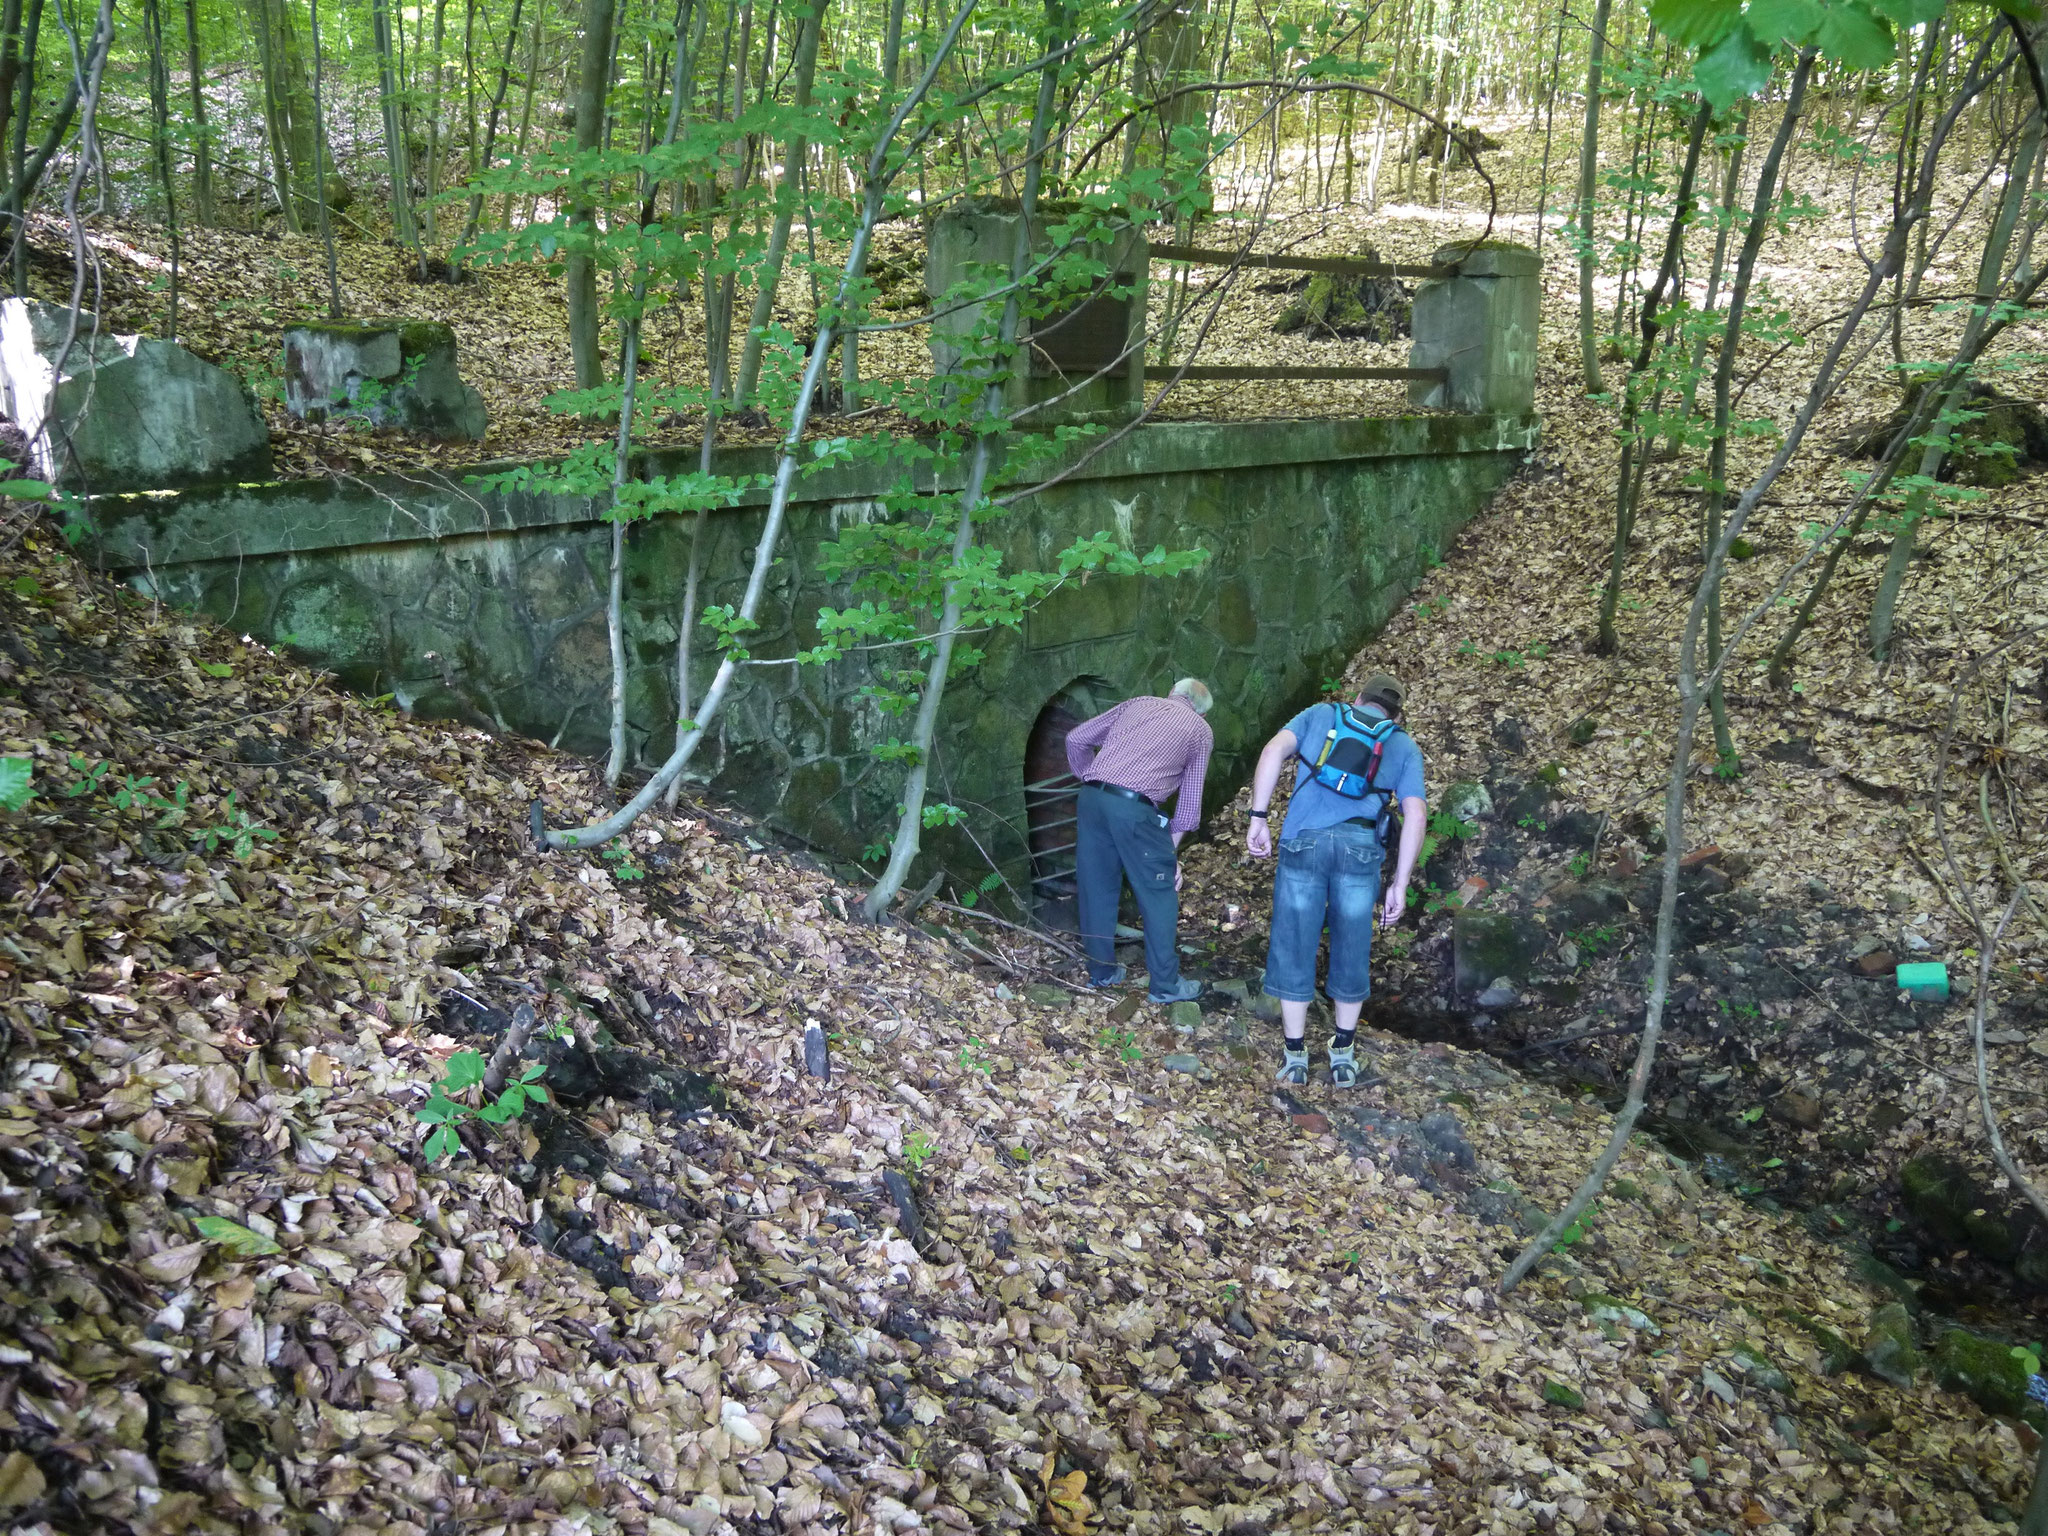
(1580,866)
(1576,1232)
(17,783)
(1591,941)
(988,882)
(1123,1042)
(233,1236)
(1508,659)
(1529,821)
(974,1059)
(235,830)
(874,853)
(90,784)
(1751,1115)
(1469,648)
(445,1112)
(1431,607)
(2028,1355)
(918,1149)
(1539,652)
(620,859)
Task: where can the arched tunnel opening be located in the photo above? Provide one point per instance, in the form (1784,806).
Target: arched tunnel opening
(1049,798)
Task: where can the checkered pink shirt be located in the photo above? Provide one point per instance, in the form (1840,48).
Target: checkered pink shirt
(1158,747)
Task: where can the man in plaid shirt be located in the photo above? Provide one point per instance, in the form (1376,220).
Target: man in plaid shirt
(1130,759)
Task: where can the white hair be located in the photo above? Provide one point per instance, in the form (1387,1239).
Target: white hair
(1196,692)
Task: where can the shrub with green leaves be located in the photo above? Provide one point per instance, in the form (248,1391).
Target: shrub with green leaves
(449,1105)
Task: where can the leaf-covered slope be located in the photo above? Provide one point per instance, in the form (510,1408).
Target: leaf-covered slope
(1147,1300)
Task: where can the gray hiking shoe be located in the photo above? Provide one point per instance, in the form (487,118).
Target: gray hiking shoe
(1344,1066)
(1186,990)
(1293,1067)
(1115,979)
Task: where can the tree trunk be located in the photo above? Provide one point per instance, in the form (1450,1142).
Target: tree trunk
(290,115)
(10,62)
(1549,116)
(1767,182)
(434,126)
(17,191)
(849,346)
(1990,278)
(480,157)
(1731,188)
(1632,447)
(593,86)
(324,218)
(397,155)
(876,189)
(202,136)
(903,847)
(160,145)
(785,209)
(1589,167)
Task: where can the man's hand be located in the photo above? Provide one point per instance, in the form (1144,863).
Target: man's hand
(1396,903)
(1258,840)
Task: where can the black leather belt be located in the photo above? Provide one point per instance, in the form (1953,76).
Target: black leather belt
(1128,794)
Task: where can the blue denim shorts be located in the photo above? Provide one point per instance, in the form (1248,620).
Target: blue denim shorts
(1327,877)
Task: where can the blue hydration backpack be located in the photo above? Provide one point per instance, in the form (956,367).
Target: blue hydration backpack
(1349,758)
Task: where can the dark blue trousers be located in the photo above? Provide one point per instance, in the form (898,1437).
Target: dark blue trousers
(1117,840)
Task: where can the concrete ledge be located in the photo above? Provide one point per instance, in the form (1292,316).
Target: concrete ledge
(154,529)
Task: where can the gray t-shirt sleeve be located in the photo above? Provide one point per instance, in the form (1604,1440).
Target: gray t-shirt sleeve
(1407,779)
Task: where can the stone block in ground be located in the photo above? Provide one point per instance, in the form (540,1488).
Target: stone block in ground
(1468,801)
(1487,946)
(1889,1348)
(382,373)
(1984,1370)
(1185,1017)
(104,412)
(1944,1195)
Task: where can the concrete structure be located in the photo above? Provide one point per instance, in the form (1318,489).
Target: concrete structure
(118,413)
(1099,331)
(1481,325)
(382,373)
(490,605)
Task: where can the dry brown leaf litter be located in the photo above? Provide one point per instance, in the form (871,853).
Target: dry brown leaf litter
(1218,1313)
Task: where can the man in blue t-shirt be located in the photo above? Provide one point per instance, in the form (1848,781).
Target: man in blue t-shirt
(1329,872)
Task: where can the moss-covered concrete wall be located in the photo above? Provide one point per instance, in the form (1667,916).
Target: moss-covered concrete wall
(490,607)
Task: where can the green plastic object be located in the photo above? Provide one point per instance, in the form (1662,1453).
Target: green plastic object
(1925,982)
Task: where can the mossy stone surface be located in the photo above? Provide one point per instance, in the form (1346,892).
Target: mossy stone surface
(1984,1370)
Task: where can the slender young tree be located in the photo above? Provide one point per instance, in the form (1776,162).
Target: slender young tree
(810,27)
(904,845)
(593,90)
(1589,171)
(690,734)
(202,134)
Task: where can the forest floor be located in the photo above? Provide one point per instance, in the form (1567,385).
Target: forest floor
(1140,1291)
(1271,1313)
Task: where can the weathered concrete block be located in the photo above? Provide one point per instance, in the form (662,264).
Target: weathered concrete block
(122,413)
(1481,326)
(1094,333)
(384,373)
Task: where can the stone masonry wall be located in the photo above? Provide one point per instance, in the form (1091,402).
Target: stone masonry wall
(490,607)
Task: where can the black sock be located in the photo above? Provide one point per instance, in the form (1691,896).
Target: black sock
(1297,1043)
(1341,1040)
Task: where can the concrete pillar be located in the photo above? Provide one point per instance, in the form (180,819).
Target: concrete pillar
(972,244)
(1481,326)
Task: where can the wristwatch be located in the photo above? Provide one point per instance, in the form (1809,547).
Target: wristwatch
(1258,815)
